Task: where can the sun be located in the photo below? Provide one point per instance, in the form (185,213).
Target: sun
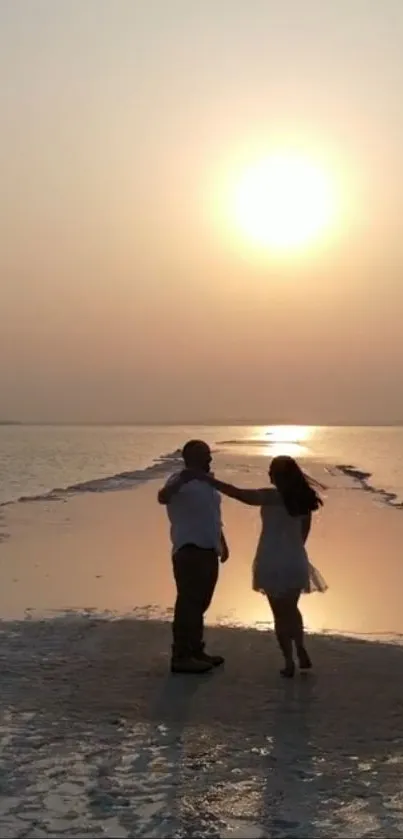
(284,202)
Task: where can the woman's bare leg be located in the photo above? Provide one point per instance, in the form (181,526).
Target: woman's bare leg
(298,634)
(282,614)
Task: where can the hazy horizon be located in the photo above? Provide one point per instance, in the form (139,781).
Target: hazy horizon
(228,423)
(126,292)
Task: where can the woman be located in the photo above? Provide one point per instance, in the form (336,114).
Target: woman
(281,569)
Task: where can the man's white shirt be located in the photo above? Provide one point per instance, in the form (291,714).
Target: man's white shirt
(194,514)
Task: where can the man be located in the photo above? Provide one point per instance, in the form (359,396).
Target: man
(198,541)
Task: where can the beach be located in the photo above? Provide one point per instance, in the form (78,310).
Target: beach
(97,738)
(201,243)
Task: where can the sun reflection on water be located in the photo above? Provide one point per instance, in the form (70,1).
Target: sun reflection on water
(289,440)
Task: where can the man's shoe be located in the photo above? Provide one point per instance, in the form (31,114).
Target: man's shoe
(190,665)
(305,662)
(214,660)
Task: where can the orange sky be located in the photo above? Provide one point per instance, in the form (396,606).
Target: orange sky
(122,296)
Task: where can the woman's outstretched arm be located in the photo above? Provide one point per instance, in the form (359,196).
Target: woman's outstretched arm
(253,497)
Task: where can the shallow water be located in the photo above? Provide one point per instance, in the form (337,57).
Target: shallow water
(37,459)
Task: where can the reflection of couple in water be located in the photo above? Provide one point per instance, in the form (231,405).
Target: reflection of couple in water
(281,568)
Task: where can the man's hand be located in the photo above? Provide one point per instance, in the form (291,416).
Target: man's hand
(224,549)
(173,486)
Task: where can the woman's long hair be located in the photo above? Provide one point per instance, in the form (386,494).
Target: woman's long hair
(298,495)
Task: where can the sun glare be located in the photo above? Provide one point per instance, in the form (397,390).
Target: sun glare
(288,433)
(292,440)
(284,202)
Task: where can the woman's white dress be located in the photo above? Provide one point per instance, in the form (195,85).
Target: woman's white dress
(281,563)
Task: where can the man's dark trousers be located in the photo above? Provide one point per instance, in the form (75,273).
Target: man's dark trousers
(196,573)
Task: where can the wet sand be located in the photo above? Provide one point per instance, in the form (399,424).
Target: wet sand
(98,739)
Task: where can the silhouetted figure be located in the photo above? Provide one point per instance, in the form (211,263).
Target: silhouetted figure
(198,542)
(281,569)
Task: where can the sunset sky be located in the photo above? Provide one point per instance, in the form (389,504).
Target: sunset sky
(129,291)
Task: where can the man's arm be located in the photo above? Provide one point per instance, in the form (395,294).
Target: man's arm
(173,485)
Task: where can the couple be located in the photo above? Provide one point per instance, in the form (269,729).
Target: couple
(281,569)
